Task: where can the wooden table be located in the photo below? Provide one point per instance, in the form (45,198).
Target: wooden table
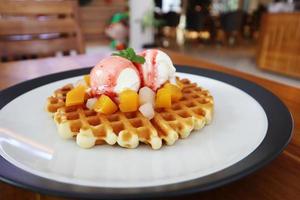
(279,180)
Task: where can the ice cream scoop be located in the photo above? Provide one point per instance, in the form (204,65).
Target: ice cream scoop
(114,74)
(157,69)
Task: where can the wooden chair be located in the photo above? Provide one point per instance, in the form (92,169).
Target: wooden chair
(31,29)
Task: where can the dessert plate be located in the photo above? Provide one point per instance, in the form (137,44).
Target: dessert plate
(251,126)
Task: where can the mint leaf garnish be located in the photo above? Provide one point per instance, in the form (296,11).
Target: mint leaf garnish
(138,59)
(130,55)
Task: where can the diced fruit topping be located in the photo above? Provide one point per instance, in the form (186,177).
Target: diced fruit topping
(163,98)
(146,95)
(129,101)
(173,81)
(76,96)
(147,110)
(79,82)
(90,103)
(87,79)
(179,84)
(105,105)
(176,94)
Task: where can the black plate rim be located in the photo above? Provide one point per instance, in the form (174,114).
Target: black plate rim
(268,150)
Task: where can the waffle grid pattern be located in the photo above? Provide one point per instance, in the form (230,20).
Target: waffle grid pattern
(193,111)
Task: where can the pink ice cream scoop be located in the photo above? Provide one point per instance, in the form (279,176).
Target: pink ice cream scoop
(114,74)
(157,69)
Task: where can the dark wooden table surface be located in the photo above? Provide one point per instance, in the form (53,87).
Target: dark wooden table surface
(279,180)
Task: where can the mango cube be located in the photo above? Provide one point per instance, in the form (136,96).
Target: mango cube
(176,93)
(76,96)
(129,101)
(105,105)
(163,98)
(87,79)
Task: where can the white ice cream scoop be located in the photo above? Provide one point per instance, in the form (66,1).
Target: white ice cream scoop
(157,69)
(114,74)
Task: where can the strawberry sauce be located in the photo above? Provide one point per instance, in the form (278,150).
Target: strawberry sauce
(148,70)
(105,74)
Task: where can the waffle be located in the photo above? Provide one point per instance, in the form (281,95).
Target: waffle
(193,111)
(58,99)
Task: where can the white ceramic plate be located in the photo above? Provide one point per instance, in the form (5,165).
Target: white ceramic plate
(29,141)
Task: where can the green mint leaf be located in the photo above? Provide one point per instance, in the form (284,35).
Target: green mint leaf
(123,53)
(130,55)
(116,54)
(138,59)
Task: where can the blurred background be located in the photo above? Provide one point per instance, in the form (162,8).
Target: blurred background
(261,37)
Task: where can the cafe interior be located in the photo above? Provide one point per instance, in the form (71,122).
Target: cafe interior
(256,38)
(259,37)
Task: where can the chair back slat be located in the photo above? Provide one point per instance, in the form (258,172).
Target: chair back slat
(37,46)
(31,7)
(31,28)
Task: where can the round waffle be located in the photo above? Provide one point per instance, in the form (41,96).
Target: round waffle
(193,111)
